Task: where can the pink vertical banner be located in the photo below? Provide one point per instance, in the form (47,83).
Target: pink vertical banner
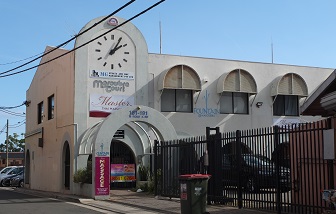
(102,175)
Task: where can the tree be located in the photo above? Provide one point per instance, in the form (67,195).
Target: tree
(14,144)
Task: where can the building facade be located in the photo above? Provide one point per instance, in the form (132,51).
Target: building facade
(14,159)
(110,99)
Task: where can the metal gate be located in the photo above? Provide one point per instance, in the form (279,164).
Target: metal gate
(279,169)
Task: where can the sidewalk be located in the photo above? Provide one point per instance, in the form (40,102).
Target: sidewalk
(125,201)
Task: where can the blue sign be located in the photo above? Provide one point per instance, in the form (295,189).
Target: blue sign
(206,112)
(138,114)
(101,153)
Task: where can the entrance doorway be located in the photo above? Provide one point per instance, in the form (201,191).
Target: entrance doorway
(67,166)
(27,171)
(120,153)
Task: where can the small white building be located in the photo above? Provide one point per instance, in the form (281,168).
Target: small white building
(110,99)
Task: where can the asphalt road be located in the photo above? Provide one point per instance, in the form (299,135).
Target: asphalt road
(15,202)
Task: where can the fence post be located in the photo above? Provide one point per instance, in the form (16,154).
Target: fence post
(212,167)
(209,147)
(155,168)
(277,170)
(239,168)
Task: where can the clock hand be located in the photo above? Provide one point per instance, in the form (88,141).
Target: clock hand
(116,47)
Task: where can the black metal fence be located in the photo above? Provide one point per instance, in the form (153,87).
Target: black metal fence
(280,169)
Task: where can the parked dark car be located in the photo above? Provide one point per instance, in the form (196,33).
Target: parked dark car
(6,170)
(6,181)
(17,181)
(11,172)
(257,172)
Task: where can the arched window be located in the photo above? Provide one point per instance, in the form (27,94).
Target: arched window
(178,85)
(235,88)
(286,92)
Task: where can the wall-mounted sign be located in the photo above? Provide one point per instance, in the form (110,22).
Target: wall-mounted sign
(111,86)
(112,74)
(120,134)
(206,111)
(285,121)
(112,21)
(122,172)
(102,152)
(138,114)
(102,184)
(101,105)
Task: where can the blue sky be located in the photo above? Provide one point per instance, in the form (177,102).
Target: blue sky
(302,33)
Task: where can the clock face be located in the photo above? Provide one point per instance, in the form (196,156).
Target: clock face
(113,51)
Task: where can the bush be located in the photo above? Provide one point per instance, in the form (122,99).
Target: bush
(150,185)
(143,173)
(84,175)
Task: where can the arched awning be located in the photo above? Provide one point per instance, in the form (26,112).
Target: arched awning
(107,128)
(289,84)
(85,142)
(180,77)
(237,80)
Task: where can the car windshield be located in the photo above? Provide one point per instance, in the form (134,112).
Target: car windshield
(5,170)
(257,160)
(15,171)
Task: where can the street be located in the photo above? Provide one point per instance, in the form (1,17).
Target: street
(15,202)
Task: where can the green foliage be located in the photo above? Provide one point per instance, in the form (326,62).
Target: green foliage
(143,173)
(14,144)
(84,175)
(147,187)
(150,185)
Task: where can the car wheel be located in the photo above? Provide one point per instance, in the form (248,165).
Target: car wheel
(251,185)
(21,184)
(2,184)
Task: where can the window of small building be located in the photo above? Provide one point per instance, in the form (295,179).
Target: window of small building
(178,85)
(235,89)
(234,103)
(40,113)
(176,100)
(287,90)
(286,105)
(51,107)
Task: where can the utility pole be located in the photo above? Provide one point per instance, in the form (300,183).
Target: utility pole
(7,145)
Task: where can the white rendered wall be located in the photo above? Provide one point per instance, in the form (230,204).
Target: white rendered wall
(212,69)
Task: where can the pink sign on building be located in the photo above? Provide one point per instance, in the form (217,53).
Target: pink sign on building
(102,176)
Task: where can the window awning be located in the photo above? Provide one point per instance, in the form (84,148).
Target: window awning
(321,101)
(237,81)
(289,84)
(180,77)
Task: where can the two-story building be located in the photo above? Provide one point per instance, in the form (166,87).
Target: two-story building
(110,99)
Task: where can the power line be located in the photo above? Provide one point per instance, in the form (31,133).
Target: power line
(21,123)
(13,113)
(2,130)
(64,43)
(128,20)
(3,107)
(17,125)
(8,63)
